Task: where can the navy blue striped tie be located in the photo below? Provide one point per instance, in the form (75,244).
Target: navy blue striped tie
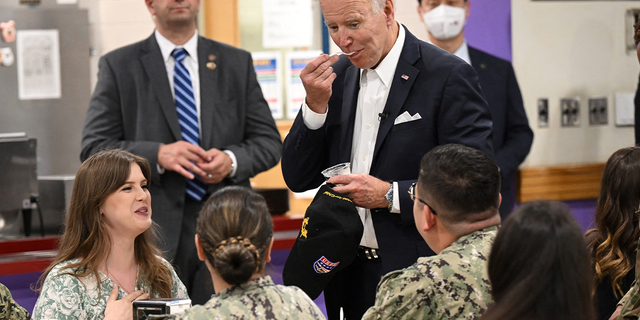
(187,116)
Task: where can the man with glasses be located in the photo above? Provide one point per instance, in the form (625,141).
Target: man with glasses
(455,207)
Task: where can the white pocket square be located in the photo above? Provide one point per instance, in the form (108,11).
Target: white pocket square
(406,117)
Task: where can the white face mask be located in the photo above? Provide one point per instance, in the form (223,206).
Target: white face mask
(444,22)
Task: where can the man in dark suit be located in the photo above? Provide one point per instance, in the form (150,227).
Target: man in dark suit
(382,108)
(217,131)
(512,136)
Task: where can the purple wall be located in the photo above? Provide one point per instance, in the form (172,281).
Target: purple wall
(489,27)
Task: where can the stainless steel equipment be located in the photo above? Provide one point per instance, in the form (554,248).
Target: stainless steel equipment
(18,184)
(55,123)
(54,196)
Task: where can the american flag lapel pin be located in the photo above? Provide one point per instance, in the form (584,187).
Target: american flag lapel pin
(405,77)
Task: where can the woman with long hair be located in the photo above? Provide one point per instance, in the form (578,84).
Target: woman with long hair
(631,308)
(234,238)
(612,243)
(539,266)
(107,256)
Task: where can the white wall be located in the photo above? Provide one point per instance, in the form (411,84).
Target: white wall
(115,23)
(572,49)
(407,14)
(122,22)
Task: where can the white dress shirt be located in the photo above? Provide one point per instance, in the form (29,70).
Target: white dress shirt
(375,85)
(463,52)
(191,64)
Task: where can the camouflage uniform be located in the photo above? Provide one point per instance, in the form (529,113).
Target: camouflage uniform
(256,299)
(451,285)
(9,309)
(631,301)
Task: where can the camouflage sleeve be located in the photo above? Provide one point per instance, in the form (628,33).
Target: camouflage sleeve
(196,312)
(396,296)
(631,301)
(630,304)
(9,309)
(628,294)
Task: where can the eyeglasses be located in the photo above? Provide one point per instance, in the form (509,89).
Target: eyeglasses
(412,195)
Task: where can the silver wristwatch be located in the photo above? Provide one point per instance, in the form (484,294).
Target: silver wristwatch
(389,197)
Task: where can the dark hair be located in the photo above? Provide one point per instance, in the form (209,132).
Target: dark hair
(235,229)
(85,235)
(460,180)
(539,266)
(636,32)
(613,241)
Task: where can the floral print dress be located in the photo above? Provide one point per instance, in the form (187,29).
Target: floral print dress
(65,297)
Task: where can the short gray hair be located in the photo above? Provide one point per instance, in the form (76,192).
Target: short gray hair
(377,6)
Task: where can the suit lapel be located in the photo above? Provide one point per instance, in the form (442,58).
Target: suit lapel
(477,62)
(401,84)
(154,66)
(349,106)
(208,88)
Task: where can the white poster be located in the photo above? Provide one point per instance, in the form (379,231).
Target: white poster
(287,23)
(38,59)
(268,66)
(625,109)
(295,62)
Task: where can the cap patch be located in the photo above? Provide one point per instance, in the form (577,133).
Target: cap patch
(327,193)
(303,229)
(323,265)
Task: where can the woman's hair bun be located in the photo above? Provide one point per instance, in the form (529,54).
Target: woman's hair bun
(236,260)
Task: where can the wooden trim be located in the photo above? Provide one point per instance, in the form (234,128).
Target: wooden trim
(222,21)
(568,182)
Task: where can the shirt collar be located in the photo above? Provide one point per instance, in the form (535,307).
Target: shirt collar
(464,241)
(166,46)
(247,286)
(387,66)
(463,52)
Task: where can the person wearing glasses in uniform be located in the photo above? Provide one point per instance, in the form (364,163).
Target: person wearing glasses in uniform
(455,206)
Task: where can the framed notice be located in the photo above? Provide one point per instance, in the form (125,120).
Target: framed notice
(287,23)
(38,59)
(296,61)
(268,66)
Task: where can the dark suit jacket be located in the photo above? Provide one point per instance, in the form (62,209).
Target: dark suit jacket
(512,136)
(132,108)
(429,81)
